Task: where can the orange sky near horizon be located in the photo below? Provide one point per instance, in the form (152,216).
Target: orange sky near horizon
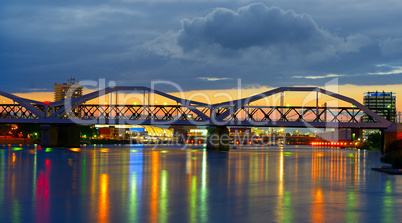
(217,96)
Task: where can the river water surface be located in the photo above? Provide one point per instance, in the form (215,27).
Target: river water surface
(169,184)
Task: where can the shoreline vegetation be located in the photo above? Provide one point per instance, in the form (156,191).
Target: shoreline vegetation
(393,154)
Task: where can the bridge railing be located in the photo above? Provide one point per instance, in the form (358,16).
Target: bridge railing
(16,111)
(298,114)
(136,112)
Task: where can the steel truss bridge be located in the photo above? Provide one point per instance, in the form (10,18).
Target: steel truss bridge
(239,112)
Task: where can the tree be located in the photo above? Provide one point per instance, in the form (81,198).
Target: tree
(4,129)
(29,129)
(88,131)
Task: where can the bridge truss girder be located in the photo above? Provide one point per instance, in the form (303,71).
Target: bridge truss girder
(187,112)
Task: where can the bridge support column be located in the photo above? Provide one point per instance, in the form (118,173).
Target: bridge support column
(218,138)
(65,135)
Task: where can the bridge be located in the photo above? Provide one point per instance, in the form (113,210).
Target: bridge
(80,111)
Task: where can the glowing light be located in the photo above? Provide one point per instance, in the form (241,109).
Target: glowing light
(104,198)
(75,149)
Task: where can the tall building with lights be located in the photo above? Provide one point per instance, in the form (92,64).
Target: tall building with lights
(382,103)
(71,89)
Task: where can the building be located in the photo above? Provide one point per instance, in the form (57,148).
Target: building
(135,133)
(382,103)
(71,89)
(197,136)
(340,135)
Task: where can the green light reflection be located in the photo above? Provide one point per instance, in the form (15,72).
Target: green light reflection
(16,215)
(351,215)
(204,190)
(388,210)
(163,210)
(287,207)
(133,198)
(193,200)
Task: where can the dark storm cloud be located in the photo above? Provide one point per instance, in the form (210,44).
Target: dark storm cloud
(254,25)
(271,46)
(197,45)
(256,34)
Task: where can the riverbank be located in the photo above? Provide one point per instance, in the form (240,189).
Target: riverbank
(19,141)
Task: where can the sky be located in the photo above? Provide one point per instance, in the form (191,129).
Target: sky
(202,44)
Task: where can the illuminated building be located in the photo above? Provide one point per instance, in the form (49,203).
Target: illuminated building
(197,136)
(382,103)
(138,133)
(240,131)
(71,89)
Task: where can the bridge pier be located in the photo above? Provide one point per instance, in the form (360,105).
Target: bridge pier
(218,138)
(63,135)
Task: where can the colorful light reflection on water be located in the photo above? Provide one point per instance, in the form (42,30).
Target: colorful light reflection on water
(136,184)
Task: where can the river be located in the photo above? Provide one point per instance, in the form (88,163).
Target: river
(170,184)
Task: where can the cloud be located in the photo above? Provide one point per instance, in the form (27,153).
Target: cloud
(38,89)
(395,70)
(320,77)
(133,43)
(214,78)
(391,46)
(260,33)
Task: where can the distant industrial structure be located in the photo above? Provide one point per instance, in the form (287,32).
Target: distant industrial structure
(382,103)
(71,89)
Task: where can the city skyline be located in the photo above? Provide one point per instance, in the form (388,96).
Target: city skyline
(210,43)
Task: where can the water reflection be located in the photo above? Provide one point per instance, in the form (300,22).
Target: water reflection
(137,184)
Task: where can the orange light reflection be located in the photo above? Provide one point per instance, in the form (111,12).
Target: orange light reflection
(104,198)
